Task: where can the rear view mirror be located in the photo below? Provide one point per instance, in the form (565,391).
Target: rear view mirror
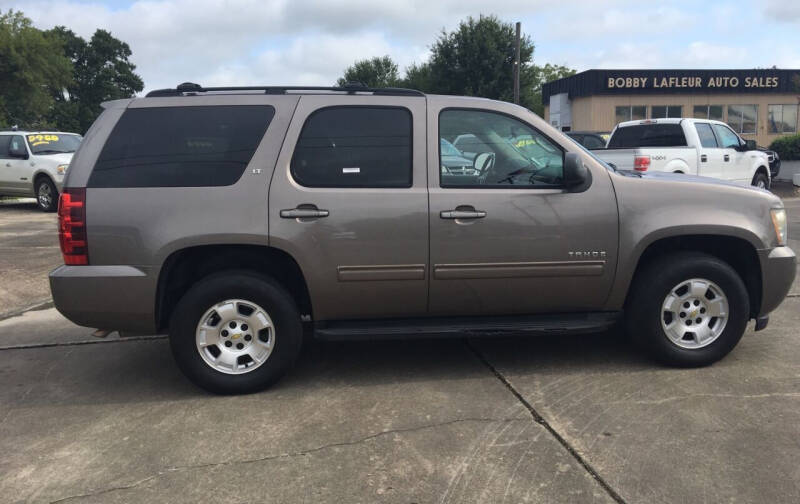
(576,175)
(750,144)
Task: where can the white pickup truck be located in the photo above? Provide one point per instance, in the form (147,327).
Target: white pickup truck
(694,146)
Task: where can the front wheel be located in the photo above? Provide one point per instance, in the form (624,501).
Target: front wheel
(761,181)
(46,194)
(687,309)
(235,332)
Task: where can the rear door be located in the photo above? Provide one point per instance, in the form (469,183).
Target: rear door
(710,162)
(5,164)
(510,239)
(348,200)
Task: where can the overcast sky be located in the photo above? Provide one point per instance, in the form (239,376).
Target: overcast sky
(310,42)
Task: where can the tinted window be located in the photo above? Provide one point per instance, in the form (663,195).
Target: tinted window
(355,147)
(5,140)
(727,138)
(647,135)
(507,153)
(593,142)
(181,146)
(707,138)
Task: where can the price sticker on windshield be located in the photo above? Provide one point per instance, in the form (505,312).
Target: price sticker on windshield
(35,140)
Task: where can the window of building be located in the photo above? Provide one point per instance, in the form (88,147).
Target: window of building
(665,111)
(354,147)
(181,146)
(707,138)
(713,112)
(630,113)
(782,118)
(743,118)
(495,150)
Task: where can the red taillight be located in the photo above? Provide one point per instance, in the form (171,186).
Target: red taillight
(72,226)
(641,163)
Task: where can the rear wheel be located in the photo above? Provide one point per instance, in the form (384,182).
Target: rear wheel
(761,181)
(687,309)
(235,333)
(46,194)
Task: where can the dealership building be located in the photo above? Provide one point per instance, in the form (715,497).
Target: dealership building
(759,104)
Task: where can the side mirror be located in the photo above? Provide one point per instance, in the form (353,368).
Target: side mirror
(20,153)
(750,145)
(576,176)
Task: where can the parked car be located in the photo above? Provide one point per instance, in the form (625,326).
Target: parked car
(230,218)
(774,162)
(589,139)
(34,164)
(692,146)
(453,161)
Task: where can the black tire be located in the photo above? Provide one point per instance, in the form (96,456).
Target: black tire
(46,204)
(761,178)
(236,285)
(650,288)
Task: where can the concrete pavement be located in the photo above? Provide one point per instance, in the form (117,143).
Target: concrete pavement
(555,419)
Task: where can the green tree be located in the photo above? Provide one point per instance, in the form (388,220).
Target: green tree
(477,59)
(32,65)
(102,72)
(543,75)
(374,72)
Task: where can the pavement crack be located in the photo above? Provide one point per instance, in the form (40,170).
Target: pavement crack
(707,396)
(544,423)
(301,453)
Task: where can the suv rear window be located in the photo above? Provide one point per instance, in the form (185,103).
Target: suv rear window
(648,135)
(181,146)
(354,146)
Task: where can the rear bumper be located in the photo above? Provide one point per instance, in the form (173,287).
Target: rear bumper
(106,297)
(778,267)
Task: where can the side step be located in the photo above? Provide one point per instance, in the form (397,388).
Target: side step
(462,327)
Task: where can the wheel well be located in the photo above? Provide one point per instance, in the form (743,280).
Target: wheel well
(40,176)
(185,267)
(737,252)
(762,169)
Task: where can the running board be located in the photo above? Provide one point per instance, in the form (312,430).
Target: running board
(462,327)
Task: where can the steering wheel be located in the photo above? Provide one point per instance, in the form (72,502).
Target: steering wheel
(486,167)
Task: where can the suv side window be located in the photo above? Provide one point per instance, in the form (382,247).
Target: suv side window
(727,138)
(707,138)
(5,144)
(354,146)
(592,142)
(495,150)
(181,146)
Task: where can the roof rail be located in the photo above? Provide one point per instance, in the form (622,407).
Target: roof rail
(190,89)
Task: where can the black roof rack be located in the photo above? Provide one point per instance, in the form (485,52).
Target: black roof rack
(190,88)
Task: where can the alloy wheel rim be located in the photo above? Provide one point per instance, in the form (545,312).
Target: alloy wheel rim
(45,195)
(235,336)
(694,313)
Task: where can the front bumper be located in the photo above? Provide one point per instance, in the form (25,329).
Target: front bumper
(106,297)
(778,269)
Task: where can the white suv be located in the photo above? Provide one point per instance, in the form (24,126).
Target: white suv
(33,163)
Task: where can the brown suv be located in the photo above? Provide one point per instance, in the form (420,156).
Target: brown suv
(231,217)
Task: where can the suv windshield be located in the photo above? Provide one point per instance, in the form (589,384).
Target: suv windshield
(53,143)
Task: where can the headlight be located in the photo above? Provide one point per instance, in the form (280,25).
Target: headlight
(779,221)
(62,169)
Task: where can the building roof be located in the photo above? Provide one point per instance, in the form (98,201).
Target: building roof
(609,82)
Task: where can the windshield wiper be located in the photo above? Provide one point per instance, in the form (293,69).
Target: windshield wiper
(51,151)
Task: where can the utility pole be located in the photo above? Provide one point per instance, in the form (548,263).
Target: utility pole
(516,65)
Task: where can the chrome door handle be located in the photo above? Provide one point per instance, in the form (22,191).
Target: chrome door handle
(462,214)
(304,213)
(727,157)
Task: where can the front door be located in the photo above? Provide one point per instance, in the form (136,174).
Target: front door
(348,200)
(506,236)
(15,171)
(710,161)
(735,162)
